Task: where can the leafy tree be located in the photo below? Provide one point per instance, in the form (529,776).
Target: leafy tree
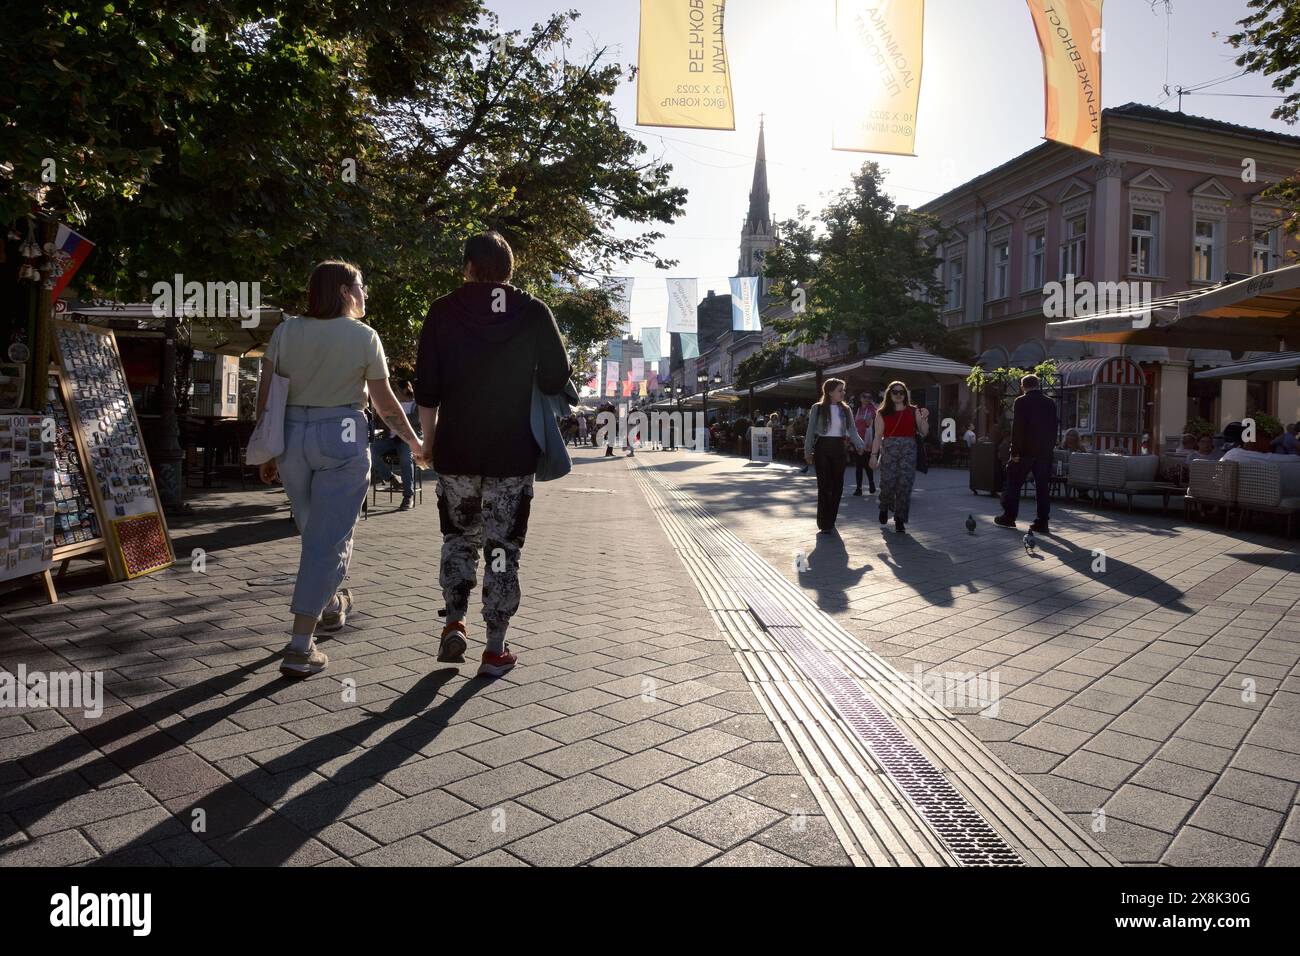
(770,361)
(220,141)
(589,319)
(1270,39)
(866,270)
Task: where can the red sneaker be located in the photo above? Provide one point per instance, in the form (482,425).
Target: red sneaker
(494,665)
(452,646)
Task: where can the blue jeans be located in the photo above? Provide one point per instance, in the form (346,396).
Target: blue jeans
(386,446)
(1017,472)
(325,469)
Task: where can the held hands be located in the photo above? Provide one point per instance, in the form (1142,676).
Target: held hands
(268,472)
(422,453)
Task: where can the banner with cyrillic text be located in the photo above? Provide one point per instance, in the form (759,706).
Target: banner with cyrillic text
(683,298)
(879,52)
(744,305)
(1069,34)
(683,78)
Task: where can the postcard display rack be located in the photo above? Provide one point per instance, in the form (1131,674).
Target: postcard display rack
(120,509)
(26,499)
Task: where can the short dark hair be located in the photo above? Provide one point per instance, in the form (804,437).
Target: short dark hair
(1028,382)
(491,256)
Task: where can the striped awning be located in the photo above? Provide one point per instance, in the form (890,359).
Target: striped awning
(1259,312)
(1110,370)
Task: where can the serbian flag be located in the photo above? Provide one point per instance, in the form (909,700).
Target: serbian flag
(1069,33)
(72,249)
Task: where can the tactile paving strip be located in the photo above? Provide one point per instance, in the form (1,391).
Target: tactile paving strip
(959,825)
(844,740)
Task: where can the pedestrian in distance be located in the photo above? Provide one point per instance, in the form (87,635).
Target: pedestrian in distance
(481,349)
(1033,433)
(830,430)
(331,359)
(864,420)
(893,452)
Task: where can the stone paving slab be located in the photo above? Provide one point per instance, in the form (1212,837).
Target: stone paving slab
(1159,697)
(627,737)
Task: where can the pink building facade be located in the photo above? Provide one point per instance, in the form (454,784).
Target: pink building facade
(1172,204)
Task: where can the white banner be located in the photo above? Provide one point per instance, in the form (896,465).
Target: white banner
(620,291)
(683,298)
(638,370)
(744,305)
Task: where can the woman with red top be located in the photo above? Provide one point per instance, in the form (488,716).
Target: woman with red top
(865,422)
(898,423)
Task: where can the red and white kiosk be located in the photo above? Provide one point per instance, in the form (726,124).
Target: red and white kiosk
(1103,399)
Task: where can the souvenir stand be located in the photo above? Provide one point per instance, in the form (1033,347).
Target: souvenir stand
(115,507)
(27,499)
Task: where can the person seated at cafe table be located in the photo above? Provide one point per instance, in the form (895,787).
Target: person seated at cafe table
(1070,444)
(1204,450)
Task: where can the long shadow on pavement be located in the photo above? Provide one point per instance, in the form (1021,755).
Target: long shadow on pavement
(1119,576)
(248,837)
(829,574)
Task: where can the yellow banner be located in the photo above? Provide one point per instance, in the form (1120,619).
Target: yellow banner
(879,65)
(1069,33)
(682,73)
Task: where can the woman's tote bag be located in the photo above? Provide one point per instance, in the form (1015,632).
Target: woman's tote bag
(267,441)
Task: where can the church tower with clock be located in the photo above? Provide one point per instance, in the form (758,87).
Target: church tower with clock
(757,235)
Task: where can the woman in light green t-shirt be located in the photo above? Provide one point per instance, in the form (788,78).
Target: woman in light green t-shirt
(331,359)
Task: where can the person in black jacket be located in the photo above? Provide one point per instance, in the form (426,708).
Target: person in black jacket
(479,351)
(1033,437)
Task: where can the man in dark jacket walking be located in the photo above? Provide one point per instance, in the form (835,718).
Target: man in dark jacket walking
(1033,436)
(480,348)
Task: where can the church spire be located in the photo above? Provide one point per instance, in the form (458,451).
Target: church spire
(759,219)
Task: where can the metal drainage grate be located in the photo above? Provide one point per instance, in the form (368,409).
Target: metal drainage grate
(764,607)
(959,825)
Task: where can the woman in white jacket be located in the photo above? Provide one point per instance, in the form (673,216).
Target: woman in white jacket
(830,430)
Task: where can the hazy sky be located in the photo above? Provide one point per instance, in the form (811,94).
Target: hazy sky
(981,104)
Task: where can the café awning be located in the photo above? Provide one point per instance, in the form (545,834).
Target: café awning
(1278,367)
(223,336)
(1260,312)
(803,385)
(903,363)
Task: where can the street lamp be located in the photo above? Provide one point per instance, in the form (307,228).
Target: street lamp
(703,379)
(672,428)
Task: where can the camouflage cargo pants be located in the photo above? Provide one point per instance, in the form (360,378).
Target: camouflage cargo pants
(487,515)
